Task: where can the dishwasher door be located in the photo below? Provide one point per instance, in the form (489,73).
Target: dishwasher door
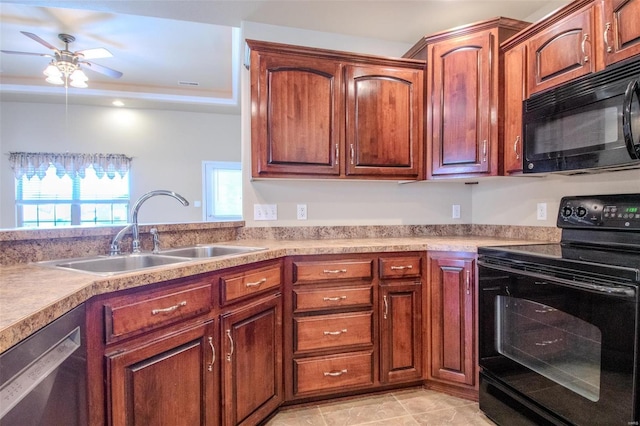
(43,379)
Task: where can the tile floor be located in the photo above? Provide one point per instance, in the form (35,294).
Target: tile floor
(403,407)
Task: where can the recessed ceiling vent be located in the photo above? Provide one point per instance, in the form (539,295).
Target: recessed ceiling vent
(188,83)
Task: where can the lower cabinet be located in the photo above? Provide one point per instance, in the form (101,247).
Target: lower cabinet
(168,381)
(252,361)
(452,364)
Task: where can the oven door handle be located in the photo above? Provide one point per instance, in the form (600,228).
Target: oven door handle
(632,89)
(613,291)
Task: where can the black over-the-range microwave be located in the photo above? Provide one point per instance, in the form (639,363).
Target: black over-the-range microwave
(588,125)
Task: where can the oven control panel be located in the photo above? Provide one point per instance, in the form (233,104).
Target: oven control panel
(604,211)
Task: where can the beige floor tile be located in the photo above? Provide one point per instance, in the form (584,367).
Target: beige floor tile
(363,410)
(306,416)
(467,415)
(419,401)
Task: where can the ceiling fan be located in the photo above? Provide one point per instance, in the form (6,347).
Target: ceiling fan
(65,66)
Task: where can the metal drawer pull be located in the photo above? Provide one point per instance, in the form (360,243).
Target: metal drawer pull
(334,299)
(335,373)
(352,154)
(257,283)
(401,267)
(606,36)
(582,45)
(228,332)
(169,309)
(515,147)
(213,354)
(335,333)
(468,281)
(484,151)
(334,271)
(386,306)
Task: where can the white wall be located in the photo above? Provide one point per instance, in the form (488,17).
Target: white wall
(513,200)
(167,147)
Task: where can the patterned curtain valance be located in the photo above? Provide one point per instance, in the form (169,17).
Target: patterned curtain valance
(36,164)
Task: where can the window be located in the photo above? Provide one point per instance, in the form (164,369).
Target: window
(222,190)
(62,201)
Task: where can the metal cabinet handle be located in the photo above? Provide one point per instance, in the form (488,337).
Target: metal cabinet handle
(335,333)
(484,151)
(335,373)
(337,154)
(228,332)
(515,147)
(386,306)
(401,267)
(468,280)
(257,283)
(583,47)
(352,152)
(334,299)
(334,271)
(213,354)
(169,309)
(605,36)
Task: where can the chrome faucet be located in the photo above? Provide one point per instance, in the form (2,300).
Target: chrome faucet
(135,245)
(115,243)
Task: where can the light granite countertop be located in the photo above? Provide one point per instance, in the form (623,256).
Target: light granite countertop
(32,296)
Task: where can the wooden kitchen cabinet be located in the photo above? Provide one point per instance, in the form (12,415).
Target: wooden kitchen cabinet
(252,361)
(621,33)
(583,37)
(165,381)
(452,364)
(511,151)
(401,350)
(464,80)
(563,52)
(328,114)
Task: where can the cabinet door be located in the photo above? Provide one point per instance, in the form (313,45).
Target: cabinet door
(562,53)
(295,124)
(461,84)
(514,77)
(252,364)
(169,381)
(384,121)
(452,319)
(401,332)
(621,29)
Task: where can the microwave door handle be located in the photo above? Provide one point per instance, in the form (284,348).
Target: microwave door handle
(632,89)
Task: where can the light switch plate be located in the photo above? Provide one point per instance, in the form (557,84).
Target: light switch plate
(265,212)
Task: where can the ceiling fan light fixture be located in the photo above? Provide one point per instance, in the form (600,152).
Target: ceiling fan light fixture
(55,80)
(79,75)
(78,83)
(52,71)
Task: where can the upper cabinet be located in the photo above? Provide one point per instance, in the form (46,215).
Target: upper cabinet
(463,97)
(621,20)
(581,38)
(327,114)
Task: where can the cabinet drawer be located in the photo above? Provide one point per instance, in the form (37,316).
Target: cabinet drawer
(313,271)
(144,311)
(400,267)
(248,283)
(305,299)
(333,372)
(331,331)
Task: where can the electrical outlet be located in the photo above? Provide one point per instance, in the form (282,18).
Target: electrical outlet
(265,212)
(455,211)
(541,211)
(301,212)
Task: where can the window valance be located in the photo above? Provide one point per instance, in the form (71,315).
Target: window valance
(36,164)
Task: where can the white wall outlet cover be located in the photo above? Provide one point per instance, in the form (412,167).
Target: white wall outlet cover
(541,211)
(301,211)
(455,211)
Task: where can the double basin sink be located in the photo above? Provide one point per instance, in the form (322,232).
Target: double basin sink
(111,265)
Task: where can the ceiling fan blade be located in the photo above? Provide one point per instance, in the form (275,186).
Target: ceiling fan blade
(13,52)
(102,69)
(97,53)
(39,40)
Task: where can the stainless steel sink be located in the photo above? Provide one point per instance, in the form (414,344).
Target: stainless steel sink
(208,251)
(110,265)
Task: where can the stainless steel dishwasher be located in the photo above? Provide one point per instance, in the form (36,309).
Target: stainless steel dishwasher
(44,378)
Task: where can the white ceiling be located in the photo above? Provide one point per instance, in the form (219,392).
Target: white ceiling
(158,43)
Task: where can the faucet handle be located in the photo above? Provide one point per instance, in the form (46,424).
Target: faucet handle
(156,240)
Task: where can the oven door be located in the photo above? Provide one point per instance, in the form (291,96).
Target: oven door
(567,347)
